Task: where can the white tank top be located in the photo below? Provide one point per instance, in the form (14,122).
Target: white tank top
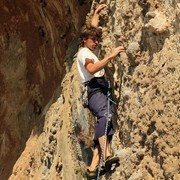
(83,54)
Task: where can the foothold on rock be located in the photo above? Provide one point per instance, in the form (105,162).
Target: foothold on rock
(150,14)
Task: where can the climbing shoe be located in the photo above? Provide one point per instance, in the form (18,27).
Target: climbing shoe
(109,161)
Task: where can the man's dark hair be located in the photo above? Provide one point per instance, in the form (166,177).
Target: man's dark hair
(89,31)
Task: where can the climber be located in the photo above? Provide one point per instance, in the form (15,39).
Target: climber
(92,74)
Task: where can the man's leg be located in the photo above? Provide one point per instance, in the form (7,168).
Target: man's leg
(108,159)
(95,159)
(106,147)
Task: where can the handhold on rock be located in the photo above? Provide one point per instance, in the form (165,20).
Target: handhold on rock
(158,23)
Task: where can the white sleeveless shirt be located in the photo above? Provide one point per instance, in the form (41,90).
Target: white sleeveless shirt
(83,54)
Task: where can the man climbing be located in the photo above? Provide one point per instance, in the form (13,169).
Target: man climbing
(92,74)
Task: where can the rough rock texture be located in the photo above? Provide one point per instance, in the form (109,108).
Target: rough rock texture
(34,40)
(145,79)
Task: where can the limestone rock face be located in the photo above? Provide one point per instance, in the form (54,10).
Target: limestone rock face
(34,39)
(157,23)
(145,80)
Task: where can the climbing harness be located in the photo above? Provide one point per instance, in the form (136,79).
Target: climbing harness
(85,95)
(108,117)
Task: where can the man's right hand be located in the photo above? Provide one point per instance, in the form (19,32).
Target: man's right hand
(116,51)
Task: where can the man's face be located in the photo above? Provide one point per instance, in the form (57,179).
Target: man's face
(91,42)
